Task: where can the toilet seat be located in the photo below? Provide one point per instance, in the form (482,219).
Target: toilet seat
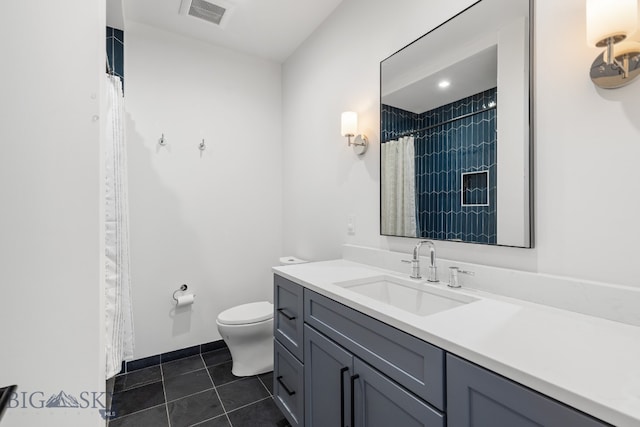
(244,314)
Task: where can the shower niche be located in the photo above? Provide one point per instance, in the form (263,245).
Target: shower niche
(475,188)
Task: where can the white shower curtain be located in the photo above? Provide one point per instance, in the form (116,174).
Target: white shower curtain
(119,318)
(399,188)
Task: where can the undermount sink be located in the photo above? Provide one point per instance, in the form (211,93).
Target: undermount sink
(413,297)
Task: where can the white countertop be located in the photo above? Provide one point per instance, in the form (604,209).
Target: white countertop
(589,363)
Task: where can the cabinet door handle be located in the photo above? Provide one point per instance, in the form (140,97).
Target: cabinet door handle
(289,392)
(281,310)
(342,371)
(353,404)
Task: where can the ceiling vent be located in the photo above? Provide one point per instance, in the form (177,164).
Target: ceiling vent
(217,13)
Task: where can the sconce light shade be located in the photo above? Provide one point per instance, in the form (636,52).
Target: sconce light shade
(349,128)
(349,123)
(606,19)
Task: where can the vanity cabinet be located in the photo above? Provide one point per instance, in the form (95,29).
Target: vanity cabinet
(288,384)
(287,318)
(380,402)
(335,366)
(478,397)
(327,378)
(288,370)
(342,390)
(416,365)
(362,372)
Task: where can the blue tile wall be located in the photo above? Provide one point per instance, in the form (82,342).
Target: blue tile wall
(443,153)
(115,51)
(396,121)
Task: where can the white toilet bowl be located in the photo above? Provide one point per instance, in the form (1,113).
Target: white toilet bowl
(247,330)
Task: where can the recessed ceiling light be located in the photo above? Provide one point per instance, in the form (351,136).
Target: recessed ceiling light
(444,84)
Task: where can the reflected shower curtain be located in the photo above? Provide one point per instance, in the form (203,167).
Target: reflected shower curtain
(119,318)
(398,190)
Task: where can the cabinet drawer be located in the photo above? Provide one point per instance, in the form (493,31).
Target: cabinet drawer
(478,397)
(288,385)
(415,364)
(287,319)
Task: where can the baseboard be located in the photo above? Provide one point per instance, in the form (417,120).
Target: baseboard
(146,362)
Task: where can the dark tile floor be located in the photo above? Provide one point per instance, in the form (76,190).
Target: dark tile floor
(194,391)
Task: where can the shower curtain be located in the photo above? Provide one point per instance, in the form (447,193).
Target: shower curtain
(398,190)
(119,318)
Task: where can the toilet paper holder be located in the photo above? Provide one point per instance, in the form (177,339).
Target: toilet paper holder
(182,288)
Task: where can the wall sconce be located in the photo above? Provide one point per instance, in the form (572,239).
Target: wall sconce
(609,23)
(350,129)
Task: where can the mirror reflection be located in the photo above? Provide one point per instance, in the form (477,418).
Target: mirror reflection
(455,130)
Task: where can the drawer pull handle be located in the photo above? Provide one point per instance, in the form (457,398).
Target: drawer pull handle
(289,392)
(353,404)
(342,371)
(281,310)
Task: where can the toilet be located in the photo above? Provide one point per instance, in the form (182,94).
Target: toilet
(247,330)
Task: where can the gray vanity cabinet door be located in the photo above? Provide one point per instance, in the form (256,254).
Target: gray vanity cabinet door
(328,368)
(479,398)
(380,402)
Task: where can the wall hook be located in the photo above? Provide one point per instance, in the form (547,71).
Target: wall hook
(202,146)
(162,141)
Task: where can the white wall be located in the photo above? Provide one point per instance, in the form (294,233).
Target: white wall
(52,333)
(212,221)
(587,144)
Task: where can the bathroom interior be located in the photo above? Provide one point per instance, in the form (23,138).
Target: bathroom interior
(237,161)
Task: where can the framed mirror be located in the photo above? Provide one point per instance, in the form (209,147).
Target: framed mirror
(455,131)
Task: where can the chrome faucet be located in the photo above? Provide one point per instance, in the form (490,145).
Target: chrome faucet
(453,276)
(415,262)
